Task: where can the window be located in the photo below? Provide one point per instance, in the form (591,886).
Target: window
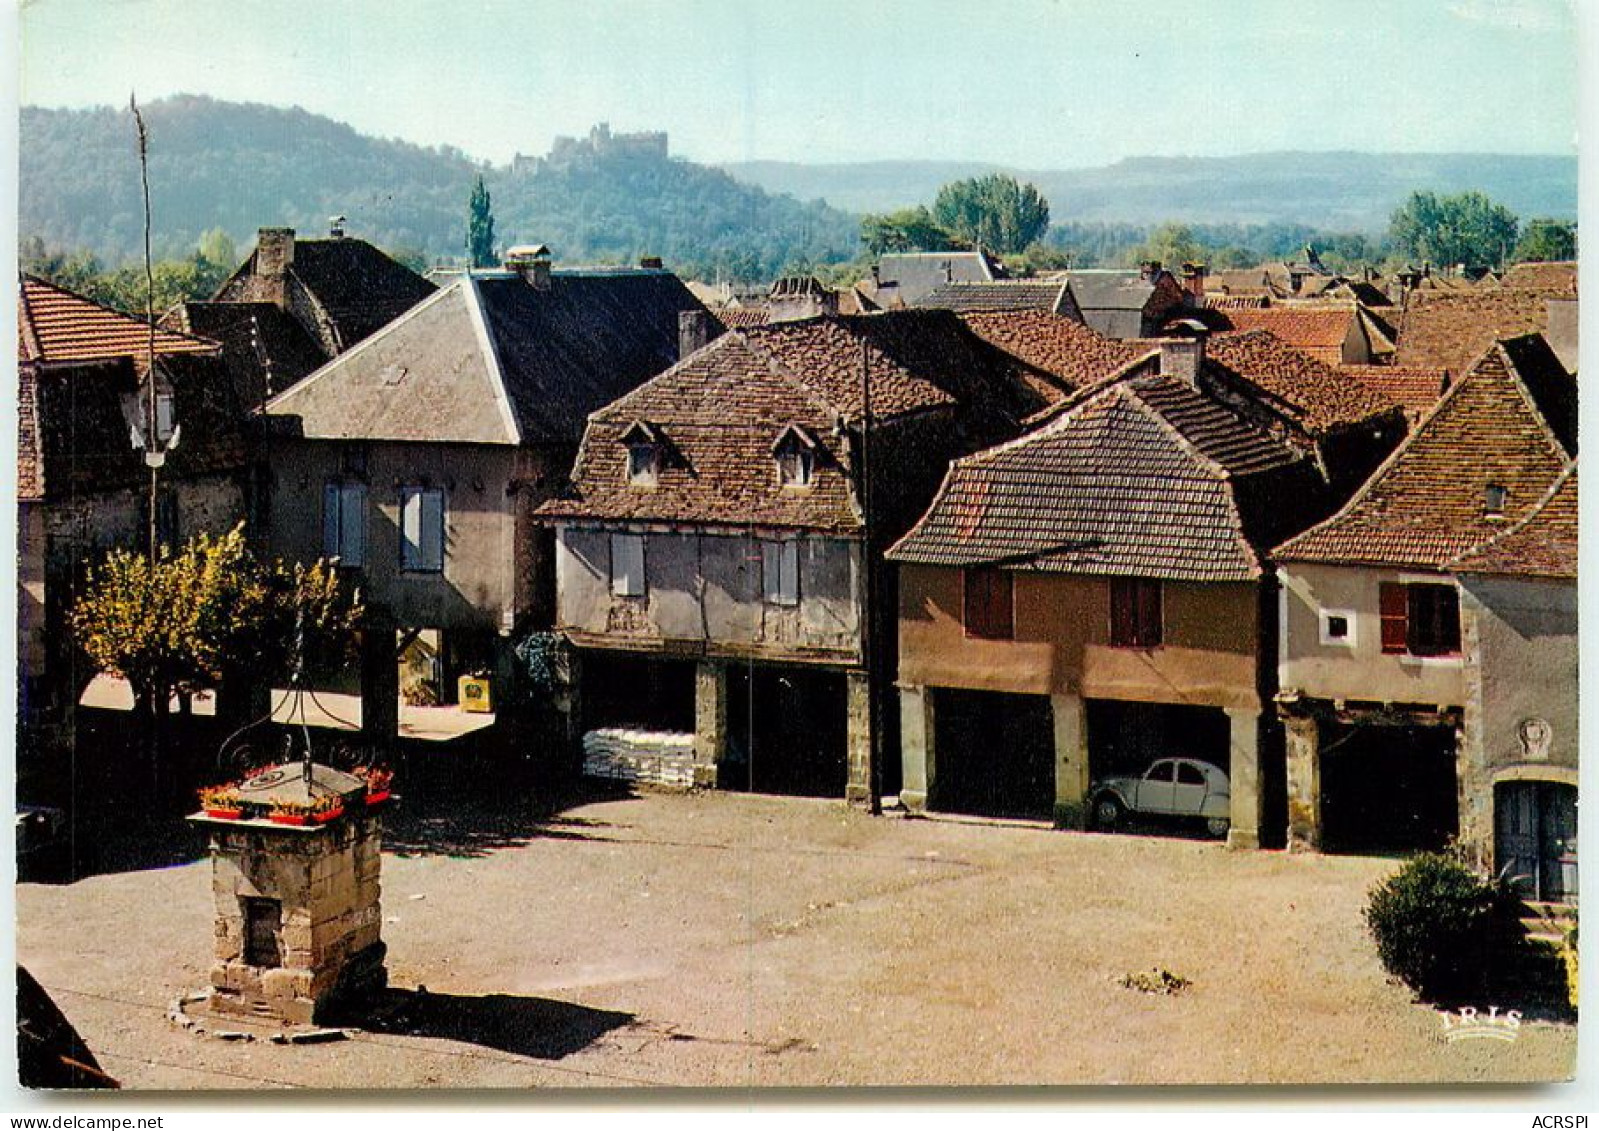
(422,529)
(1189,775)
(1420,619)
(1338,627)
(780,572)
(165,424)
(344,522)
(643,465)
(627,565)
(990,606)
(263,922)
(1494,497)
(795,467)
(1135,612)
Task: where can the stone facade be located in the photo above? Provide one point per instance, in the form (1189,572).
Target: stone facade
(298,916)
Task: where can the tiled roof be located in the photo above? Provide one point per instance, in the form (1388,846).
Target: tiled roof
(1553,279)
(734,317)
(722,409)
(1452,329)
(1005,294)
(1320,397)
(1542,544)
(1228,301)
(55,326)
(1414,389)
(491,359)
(1062,346)
(1426,503)
(1138,479)
(914,274)
(1317,330)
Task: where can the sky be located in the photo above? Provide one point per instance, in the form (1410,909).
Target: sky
(1032,84)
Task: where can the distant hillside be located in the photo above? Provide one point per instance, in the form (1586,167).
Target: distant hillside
(1334,191)
(244,166)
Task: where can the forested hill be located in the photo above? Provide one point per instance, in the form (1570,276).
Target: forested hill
(244,166)
(1334,191)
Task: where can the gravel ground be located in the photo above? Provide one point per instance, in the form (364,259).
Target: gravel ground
(732,941)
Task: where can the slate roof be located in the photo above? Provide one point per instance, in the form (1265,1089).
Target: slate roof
(911,275)
(1414,389)
(57,326)
(1320,397)
(1140,478)
(1542,544)
(1509,422)
(1111,290)
(1006,294)
(492,360)
(265,349)
(358,287)
(1075,354)
(1451,329)
(721,410)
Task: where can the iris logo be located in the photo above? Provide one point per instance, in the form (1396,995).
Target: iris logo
(1469,1023)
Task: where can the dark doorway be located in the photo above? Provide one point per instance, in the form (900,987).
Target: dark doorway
(994,754)
(1535,838)
(623,689)
(787,731)
(1387,788)
(1124,738)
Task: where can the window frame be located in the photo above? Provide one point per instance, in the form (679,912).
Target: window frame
(422,493)
(988,603)
(643,465)
(1137,612)
(1420,619)
(803,474)
(1347,640)
(339,490)
(630,585)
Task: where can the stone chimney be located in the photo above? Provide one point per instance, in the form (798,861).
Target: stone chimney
(532,262)
(1149,270)
(1182,358)
(274,255)
(1194,281)
(693,330)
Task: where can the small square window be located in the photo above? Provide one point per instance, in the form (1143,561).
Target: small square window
(1494,498)
(1338,627)
(795,467)
(643,465)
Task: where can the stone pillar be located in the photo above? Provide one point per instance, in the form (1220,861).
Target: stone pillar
(858,787)
(917,754)
(710,722)
(1475,793)
(1071,761)
(1304,784)
(380,680)
(1244,773)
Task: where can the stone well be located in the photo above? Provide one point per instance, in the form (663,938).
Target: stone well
(298,914)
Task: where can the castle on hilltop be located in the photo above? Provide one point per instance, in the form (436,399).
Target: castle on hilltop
(600,145)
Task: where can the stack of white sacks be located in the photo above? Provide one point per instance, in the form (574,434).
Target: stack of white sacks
(642,756)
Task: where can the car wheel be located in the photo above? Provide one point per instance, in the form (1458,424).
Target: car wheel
(1217,826)
(1108,812)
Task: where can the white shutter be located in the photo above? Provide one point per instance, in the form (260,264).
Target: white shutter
(433,529)
(163,417)
(331,525)
(410,527)
(627,565)
(352,524)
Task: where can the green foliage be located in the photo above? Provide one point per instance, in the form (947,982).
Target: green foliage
(1468,229)
(1172,245)
(909,229)
(1434,922)
(996,211)
(185,621)
(125,289)
(480,228)
(1547,241)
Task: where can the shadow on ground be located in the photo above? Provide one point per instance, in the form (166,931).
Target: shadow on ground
(524,1026)
(434,821)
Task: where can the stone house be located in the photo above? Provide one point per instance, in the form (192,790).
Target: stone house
(1375,686)
(419,456)
(1519,642)
(1096,593)
(1130,304)
(718,554)
(82,486)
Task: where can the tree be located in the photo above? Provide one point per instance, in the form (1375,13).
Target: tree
(1171,245)
(909,229)
(480,228)
(218,250)
(995,211)
(208,612)
(1547,241)
(1468,229)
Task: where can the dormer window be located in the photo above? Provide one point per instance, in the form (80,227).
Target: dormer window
(795,452)
(646,452)
(1494,498)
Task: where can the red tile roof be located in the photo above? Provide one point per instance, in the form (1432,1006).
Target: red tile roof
(54,325)
(738,317)
(1452,329)
(1553,279)
(1075,354)
(1542,544)
(1317,330)
(1415,389)
(1320,397)
(1425,504)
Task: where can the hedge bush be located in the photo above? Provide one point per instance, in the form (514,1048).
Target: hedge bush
(1435,924)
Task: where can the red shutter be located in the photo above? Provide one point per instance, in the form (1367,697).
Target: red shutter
(1392,603)
(1149,614)
(1123,618)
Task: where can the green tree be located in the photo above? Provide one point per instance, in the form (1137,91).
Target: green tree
(1467,228)
(1171,245)
(1547,241)
(219,251)
(909,229)
(480,228)
(996,211)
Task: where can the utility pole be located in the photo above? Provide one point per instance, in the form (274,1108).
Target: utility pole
(874,775)
(154,445)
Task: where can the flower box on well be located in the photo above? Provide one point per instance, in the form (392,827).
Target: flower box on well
(224,814)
